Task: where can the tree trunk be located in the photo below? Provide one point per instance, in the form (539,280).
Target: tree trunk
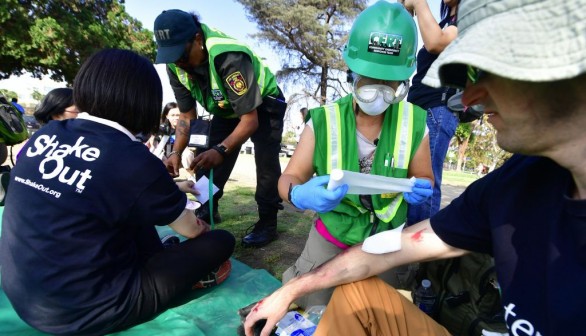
(462,154)
(323,83)
(497,155)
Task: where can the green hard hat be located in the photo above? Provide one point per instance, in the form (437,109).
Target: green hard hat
(382,42)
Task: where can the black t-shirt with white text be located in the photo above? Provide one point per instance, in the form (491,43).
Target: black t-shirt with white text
(79,195)
(523,216)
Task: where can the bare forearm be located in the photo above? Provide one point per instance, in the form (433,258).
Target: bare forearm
(284,182)
(419,243)
(182,130)
(427,25)
(434,38)
(349,266)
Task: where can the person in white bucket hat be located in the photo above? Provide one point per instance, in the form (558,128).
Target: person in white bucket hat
(525,61)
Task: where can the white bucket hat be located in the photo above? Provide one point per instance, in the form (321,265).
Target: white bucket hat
(529,40)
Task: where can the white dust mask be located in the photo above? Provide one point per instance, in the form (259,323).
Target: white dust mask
(375,107)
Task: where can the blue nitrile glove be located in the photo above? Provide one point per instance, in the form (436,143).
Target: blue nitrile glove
(314,196)
(421,191)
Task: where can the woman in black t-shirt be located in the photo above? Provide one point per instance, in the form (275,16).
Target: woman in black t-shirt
(80,253)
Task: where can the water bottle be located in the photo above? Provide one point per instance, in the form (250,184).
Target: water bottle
(314,313)
(295,324)
(424,297)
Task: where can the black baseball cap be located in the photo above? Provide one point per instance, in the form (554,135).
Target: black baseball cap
(173,29)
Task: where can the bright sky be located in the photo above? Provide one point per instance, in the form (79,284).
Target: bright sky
(226,15)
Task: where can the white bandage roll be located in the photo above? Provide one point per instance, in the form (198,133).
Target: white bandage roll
(366,184)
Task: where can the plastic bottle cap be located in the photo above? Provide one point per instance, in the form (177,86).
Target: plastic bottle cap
(426,283)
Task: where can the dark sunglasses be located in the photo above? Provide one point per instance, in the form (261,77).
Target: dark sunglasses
(474,74)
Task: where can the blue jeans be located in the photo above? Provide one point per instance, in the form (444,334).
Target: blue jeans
(442,124)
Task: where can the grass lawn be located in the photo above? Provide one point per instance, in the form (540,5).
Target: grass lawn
(455,178)
(241,214)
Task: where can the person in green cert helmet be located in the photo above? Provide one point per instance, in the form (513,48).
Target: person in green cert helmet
(229,81)
(371,131)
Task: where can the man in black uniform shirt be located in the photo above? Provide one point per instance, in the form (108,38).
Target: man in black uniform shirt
(229,81)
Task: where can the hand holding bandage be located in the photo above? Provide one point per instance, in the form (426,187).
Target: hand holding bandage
(313,195)
(422,190)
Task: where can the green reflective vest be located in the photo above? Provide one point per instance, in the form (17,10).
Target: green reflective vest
(336,146)
(217,103)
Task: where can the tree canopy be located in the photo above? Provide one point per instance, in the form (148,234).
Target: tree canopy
(8,94)
(309,36)
(53,37)
(484,148)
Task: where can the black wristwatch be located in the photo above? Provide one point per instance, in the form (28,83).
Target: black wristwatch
(221,149)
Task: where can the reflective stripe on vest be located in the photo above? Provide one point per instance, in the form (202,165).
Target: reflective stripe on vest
(333,135)
(183,78)
(387,213)
(404,138)
(334,139)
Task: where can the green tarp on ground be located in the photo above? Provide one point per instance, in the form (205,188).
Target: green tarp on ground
(211,312)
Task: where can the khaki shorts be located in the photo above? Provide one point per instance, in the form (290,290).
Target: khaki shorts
(371,307)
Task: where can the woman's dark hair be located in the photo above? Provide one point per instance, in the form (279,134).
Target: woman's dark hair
(121,86)
(196,20)
(166,109)
(53,104)
(445,10)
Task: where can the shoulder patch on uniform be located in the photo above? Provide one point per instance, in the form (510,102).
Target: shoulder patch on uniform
(237,83)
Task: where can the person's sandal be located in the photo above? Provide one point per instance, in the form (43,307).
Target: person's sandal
(215,277)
